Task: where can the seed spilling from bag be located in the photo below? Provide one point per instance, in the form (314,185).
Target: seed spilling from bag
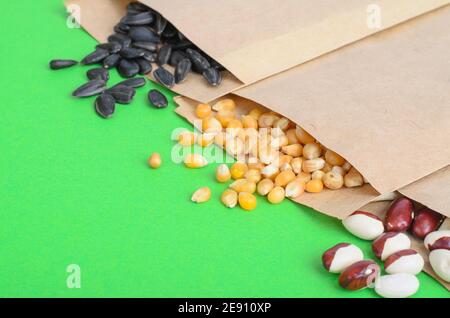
(98,74)
(164,77)
(97,56)
(91,88)
(105,105)
(128,68)
(157,99)
(177,57)
(133,82)
(60,64)
(199,62)
(213,76)
(145,66)
(182,70)
(122,94)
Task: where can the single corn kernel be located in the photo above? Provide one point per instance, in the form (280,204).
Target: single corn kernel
(255,164)
(235,123)
(267,120)
(284,159)
(186,138)
(264,186)
(346,166)
(295,189)
(225,116)
(268,155)
(311,151)
(333,180)
(286,167)
(276,132)
(154,160)
(223,173)
(224,104)
(211,125)
(353,179)
(333,158)
(284,177)
(294,150)
(253,175)
(314,186)
(282,123)
(195,160)
(249,122)
(291,136)
(205,140)
(256,113)
(229,198)
(304,177)
(201,195)
(327,167)
(276,195)
(203,110)
(317,175)
(247,201)
(338,170)
(238,170)
(270,171)
(243,185)
(313,165)
(303,136)
(296,164)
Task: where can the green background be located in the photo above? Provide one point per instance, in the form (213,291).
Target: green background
(75,189)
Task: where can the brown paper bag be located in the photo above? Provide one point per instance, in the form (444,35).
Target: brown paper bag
(255,39)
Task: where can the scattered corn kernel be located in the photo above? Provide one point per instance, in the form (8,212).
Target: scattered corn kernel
(294,150)
(270,171)
(266,120)
(203,110)
(255,164)
(249,122)
(201,195)
(313,165)
(285,166)
(211,125)
(303,136)
(224,104)
(314,186)
(223,173)
(253,175)
(194,160)
(186,138)
(276,195)
(284,177)
(154,160)
(333,158)
(235,124)
(304,177)
(238,170)
(296,165)
(256,113)
(243,185)
(264,186)
(327,167)
(338,170)
(317,175)
(311,151)
(225,116)
(291,136)
(346,166)
(229,198)
(295,189)
(333,180)
(247,201)
(282,123)
(353,179)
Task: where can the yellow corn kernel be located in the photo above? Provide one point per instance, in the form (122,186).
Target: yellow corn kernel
(270,171)
(256,113)
(229,198)
(284,177)
(327,167)
(203,111)
(247,201)
(314,186)
(243,185)
(223,173)
(266,120)
(205,140)
(346,166)
(253,175)
(333,158)
(201,195)
(256,164)
(225,116)
(318,174)
(295,189)
(303,136)
(264,186)
(276,195)
(282,159)
(296,165)
(291,136)
(249,122)
(294,150)
(304,177)
(235,124)
(338,170)
(186,138)
(285,167)
(238,170)
(279,142)
(313,165)
(311,151)
(220,139)
(224,104)
(282,123)
(211,125)
(353,179)
(154,160)
(194,160)
(333,180)
(267,155)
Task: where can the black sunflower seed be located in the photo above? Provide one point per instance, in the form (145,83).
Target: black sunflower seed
(182,70)
(160,24)
(133,82)
(91,88)
(98,73)
(112,47)
(182,45)
(122,94)
(148,46)
(60,64)
(111,61)
(131,53)
(145,66)
(136,7)
(97,56)
(157,99)
(122,39)
(199,62)
(164,77)
(141,18)
(149,56)
(121,28)
(143,34)
(169,31)
(128,68)
(213,76)
(176,57)
(164,54)
(105,105)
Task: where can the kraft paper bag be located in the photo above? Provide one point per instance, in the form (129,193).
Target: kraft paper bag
(255,39)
